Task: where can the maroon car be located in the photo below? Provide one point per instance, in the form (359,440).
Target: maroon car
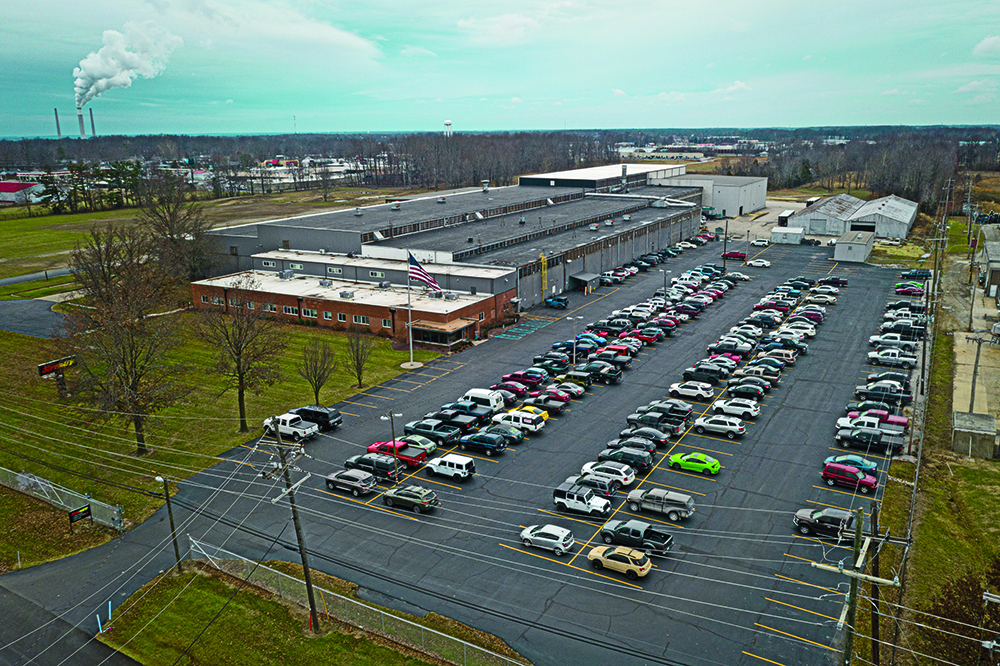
(524,377)
(516,388)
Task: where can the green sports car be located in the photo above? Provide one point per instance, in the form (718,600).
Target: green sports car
(695,462)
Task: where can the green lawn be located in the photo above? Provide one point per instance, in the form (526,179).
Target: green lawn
(38,288)
(184,439)
(958,240)
(254,629)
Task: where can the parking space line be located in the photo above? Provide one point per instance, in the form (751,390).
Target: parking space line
(834,268)
(375,395)
(570,565)
(721,453)
(559,515)
(785,633)
(825,545)
(408,381)
(410,372)
(867,455)
(804,559)
(804,610)
(683,490)
(717,439)
(696,476)
(832,506)
(802,582)
(351,499)
(350,414)
(762,658)
(446,485)
(360,404)
(662,522)
(844,492)
(479,457)
(393,389)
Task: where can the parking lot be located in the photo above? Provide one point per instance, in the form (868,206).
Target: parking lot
(737,588)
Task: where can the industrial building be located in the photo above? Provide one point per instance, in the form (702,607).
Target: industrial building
(510,246)
(725,196)
(854,246)
(887,217)
(787,235)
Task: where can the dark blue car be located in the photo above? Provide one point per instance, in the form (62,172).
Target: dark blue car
(489,443)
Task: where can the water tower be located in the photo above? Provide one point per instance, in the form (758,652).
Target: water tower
(447,128)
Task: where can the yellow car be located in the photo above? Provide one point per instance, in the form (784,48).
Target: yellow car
(531,410)
(629,561)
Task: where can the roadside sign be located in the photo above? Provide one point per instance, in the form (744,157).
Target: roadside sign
(54,366)
(80,514)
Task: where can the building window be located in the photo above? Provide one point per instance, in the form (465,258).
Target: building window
(290,310)
(333,270)
(232,302)
(376,274)
(295,267)
(268,307)
(249,305)
(327,315)
(285,245)
(309,312)
(386,323)
(341,316)
(268,264)
(361,319)
(482,316)
(217,300)
(233,250)
(204,298)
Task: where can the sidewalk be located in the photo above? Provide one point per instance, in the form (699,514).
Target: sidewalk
(984,315)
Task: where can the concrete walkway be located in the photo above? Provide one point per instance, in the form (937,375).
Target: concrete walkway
(984,315)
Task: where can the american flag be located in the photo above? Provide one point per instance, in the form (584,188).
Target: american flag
(418,273)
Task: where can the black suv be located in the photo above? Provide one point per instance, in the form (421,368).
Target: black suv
(828,522)
(381,466)
(640,461)
(327,418)
(710,374)
(601,487)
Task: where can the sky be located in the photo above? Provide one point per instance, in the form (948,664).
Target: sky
(278,66)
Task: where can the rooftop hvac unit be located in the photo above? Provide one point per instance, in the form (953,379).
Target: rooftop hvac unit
(395,206)
(325,283)
(626,218)
(357,212)
(441,199)
(435,294)
(286,274)
(347,294)
(471,240)
(450,296)
(384,284)
(322,250)
(472,290)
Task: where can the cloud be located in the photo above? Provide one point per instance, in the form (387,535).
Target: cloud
(808,57)
(417,52)
(984,98)
(672,96)
(737,86)
(618,93)
(988,46)
(380,38)
(499,30)
(894,91)
(985,85)
(515,100)
(918,102)
(229,101)
(710,65)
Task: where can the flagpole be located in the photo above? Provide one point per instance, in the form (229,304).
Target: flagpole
(409,306)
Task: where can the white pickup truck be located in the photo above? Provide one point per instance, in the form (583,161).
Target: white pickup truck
(892,340)
(869,422)
(291,425)
(893,357)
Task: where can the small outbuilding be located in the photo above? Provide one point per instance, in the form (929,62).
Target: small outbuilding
(787,235)
(974,434)
(854,246)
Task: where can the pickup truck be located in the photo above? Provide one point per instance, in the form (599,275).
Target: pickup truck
(454,418)
(893,357)
(470,408)
(409,455)
(663,422)
(887,392)
(609,356)
(434,430)
(892,340)
(637,534)
(656,500)
(870,422)
(600,371)
(867,438)
(291,425)
(883,416)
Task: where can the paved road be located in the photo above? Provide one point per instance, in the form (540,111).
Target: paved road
(738,587)
(30,317)
(29,277)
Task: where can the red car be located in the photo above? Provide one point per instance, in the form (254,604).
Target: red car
(552,392)
(910,291)
(621,350)
(733,254)
(731,357)
(524,377)
(771,305)
(516,388)
(647,338)
(716,293)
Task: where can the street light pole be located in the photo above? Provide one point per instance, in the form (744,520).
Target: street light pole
(389,416)
(170,514)
(571,320)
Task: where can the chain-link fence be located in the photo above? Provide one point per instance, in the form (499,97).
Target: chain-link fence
(62,497)
(349,610)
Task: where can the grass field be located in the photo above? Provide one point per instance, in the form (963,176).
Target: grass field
(38,288)
(79,452)
(255,629)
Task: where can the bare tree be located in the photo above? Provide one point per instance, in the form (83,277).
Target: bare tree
(318,365)
(122,354)
(179,224)
(360,347)
(325,178)
(247,340)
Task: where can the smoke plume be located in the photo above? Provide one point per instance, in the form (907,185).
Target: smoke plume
(142,51)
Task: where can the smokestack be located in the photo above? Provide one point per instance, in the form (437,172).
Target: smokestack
(58,131)
(79,116)
(93,132)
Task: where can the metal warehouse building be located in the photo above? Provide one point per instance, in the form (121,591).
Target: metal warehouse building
(730,196)
(511,246)
(887,217)
(854,246)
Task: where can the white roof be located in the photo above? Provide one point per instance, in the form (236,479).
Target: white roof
(367,293)
(891,206)
(458,270)
(790,230)
(602,172)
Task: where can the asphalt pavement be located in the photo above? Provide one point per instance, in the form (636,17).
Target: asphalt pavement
(30,317)
(737,589)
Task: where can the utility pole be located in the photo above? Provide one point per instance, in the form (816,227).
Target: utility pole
(852,600)
(290,491)
(875,620)
(173,530)
(975,368)
(972,288)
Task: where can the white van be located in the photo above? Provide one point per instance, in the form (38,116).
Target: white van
(523,420)
(491,400)
(451,465)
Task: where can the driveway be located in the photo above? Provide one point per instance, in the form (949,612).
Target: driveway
(30,317)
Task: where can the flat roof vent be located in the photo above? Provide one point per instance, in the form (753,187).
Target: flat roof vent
(384,284)
(357,212)
(441,200)
(325,283)
(450,296)
(286,274)
(435,294)
(395,206)
(347,294)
